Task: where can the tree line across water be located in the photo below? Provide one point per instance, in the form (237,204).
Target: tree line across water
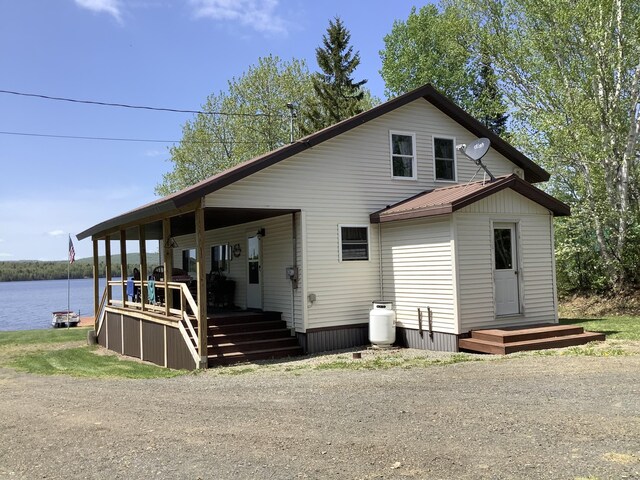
(22,270)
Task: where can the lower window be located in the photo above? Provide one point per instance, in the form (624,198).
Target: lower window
(354,242)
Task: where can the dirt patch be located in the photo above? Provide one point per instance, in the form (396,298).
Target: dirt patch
(87,322)
(593,305)
(544,417)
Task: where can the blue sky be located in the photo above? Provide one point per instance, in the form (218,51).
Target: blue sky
(146,52)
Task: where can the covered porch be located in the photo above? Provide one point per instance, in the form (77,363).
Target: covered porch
(158,317)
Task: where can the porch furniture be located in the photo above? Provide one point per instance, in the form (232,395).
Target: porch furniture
(177,275)
(220,290)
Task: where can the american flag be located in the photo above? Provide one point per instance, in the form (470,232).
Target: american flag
(72,251)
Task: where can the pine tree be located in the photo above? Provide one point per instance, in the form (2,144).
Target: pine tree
(488,95)
(338,96)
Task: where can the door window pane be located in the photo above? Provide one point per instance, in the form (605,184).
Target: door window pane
(503,248)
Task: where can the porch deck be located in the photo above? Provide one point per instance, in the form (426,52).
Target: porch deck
(501,341)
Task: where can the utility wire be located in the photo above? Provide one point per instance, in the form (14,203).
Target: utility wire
(139,107)
(111,139)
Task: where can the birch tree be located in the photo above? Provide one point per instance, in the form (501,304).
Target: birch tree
(571,74)
(248,119)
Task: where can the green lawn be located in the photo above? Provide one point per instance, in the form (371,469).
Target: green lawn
(33,337)
(619,328)
(65,352)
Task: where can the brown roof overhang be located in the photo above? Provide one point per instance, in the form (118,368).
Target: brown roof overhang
(443,201)
(533,172)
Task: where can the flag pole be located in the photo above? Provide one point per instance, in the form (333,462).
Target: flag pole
(68,283)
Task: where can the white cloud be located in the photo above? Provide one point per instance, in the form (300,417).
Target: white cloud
(112,7)
(257,14)
(55,233)
(154,153)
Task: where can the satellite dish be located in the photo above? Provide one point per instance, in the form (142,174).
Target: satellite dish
(477,149)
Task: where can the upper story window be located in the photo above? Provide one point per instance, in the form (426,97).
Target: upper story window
(403,155)
(354,242)
(444,159)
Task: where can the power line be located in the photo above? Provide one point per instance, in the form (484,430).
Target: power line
(111,139)
(139,107)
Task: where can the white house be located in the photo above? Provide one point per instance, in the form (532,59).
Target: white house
(377,207)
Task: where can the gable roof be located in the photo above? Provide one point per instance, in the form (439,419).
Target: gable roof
(442,201)
(532,172)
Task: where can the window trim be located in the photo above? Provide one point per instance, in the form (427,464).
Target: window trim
(455,158)
(351,225)
(414,157)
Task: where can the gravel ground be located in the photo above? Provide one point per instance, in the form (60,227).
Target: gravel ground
(529,417)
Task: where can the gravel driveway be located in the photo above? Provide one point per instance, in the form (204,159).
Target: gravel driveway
(531,417)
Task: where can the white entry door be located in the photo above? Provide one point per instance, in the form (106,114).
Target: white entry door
(506,269)
(254,273)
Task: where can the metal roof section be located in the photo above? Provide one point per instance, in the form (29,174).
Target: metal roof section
(446,200)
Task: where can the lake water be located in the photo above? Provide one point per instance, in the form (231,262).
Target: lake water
(28,305)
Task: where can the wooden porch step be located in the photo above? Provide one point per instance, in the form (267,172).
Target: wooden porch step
(235,337)
(233,318)
(522,334)
(238,357)
(250,346)
(500,348)
(246,327)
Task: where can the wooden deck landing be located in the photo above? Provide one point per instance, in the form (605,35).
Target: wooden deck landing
(501,341)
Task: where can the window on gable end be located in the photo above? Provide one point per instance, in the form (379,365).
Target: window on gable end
(444,159)
(403,155)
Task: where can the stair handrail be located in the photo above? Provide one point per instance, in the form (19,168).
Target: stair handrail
(100,314)
(191,341)
(192,349)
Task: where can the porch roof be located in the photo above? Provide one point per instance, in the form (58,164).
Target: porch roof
(442,201)
(171,205)
(215,217)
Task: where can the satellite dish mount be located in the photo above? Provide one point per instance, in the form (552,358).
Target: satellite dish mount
(475,151)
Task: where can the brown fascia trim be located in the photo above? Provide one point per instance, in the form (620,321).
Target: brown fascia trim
(533,172)
(413,214)
(558,208)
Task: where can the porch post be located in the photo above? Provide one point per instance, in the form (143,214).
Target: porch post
(107,262)
(143,265)
(202,286)
(167,253)
(96,284)
(123,266)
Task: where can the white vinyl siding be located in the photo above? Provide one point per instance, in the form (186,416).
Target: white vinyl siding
(342,181)
(417,272)
(475,267)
